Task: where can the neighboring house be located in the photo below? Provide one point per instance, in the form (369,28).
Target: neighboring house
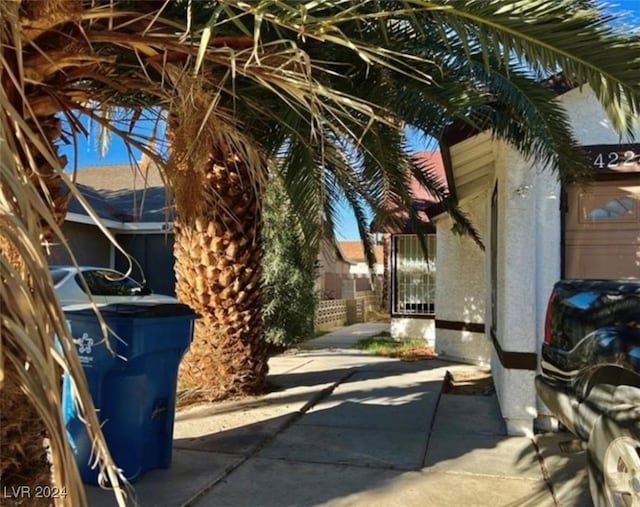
(411,264)
(535,231)
(354,252)
(131,204)
(333,271)
(133,208)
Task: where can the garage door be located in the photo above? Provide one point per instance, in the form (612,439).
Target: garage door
(602,230)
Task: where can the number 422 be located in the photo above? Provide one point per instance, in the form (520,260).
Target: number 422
(629,158)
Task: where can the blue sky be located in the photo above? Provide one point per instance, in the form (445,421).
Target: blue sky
(346,228)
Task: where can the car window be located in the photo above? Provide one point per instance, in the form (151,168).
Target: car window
(107,283)
(57,275)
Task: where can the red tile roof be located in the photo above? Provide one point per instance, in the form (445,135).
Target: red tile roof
(432,165)
(354,251)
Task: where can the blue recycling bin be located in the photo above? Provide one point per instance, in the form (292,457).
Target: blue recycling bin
(134,387)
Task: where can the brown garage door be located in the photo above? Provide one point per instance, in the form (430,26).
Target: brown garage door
(602,230)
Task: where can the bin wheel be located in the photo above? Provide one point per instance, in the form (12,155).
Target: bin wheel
(613,461)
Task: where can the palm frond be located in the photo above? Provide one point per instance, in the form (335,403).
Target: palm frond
(35,339)
(553,35)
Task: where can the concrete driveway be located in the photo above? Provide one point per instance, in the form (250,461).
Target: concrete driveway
(346,428)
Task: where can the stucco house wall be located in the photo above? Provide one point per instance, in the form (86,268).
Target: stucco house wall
(460,289)
(414,329)
(528,263)
(529,256)
(523,257)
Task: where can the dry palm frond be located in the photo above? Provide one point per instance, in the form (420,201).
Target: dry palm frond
(203,135)
(35,342)
(35,338)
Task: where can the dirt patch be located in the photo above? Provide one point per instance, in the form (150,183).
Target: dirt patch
(473,382)
(413,354)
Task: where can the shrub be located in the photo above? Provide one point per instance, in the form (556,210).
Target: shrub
(289,279)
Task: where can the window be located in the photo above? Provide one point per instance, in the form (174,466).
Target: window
(414,275)
(57,275)
(615,209)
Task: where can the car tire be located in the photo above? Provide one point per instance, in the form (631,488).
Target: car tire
(613,461)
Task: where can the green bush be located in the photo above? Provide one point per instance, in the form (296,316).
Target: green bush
(290,301)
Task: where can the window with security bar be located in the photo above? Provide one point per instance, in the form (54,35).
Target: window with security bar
(414,275)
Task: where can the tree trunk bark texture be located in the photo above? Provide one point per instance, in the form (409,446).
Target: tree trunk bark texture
(218,253)
(23,456)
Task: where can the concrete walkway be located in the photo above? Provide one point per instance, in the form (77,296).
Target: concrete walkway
(346,428)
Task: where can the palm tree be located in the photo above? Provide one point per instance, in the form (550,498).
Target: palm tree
(372,72)
(324,88)
(315,94)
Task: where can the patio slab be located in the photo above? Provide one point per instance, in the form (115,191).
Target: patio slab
(307,484)
(355,446)
(190,473)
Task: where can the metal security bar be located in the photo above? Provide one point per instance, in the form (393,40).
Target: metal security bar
(414,275)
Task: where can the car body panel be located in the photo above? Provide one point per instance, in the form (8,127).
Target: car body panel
(591,346)
(106,286)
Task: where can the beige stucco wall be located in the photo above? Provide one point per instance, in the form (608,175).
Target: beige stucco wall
(414,329)
(529,255)
(461,286)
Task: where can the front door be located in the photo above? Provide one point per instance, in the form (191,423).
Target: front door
(602,230)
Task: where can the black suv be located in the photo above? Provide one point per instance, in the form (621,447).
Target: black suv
(590,380)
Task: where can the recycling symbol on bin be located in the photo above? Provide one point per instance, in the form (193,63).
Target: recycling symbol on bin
(84,344)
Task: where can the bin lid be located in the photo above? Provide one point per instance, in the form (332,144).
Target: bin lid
(134,310)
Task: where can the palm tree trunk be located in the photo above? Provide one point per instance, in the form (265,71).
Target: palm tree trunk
(218,254)
(23,456)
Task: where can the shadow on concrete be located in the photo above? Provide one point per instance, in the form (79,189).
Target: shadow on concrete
(379,439)
(565,462)
(380,433)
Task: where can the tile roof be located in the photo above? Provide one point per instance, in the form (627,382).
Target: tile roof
(354,251)
(424,202)
(431,164)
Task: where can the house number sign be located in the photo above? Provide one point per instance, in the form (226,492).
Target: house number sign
(614,158)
